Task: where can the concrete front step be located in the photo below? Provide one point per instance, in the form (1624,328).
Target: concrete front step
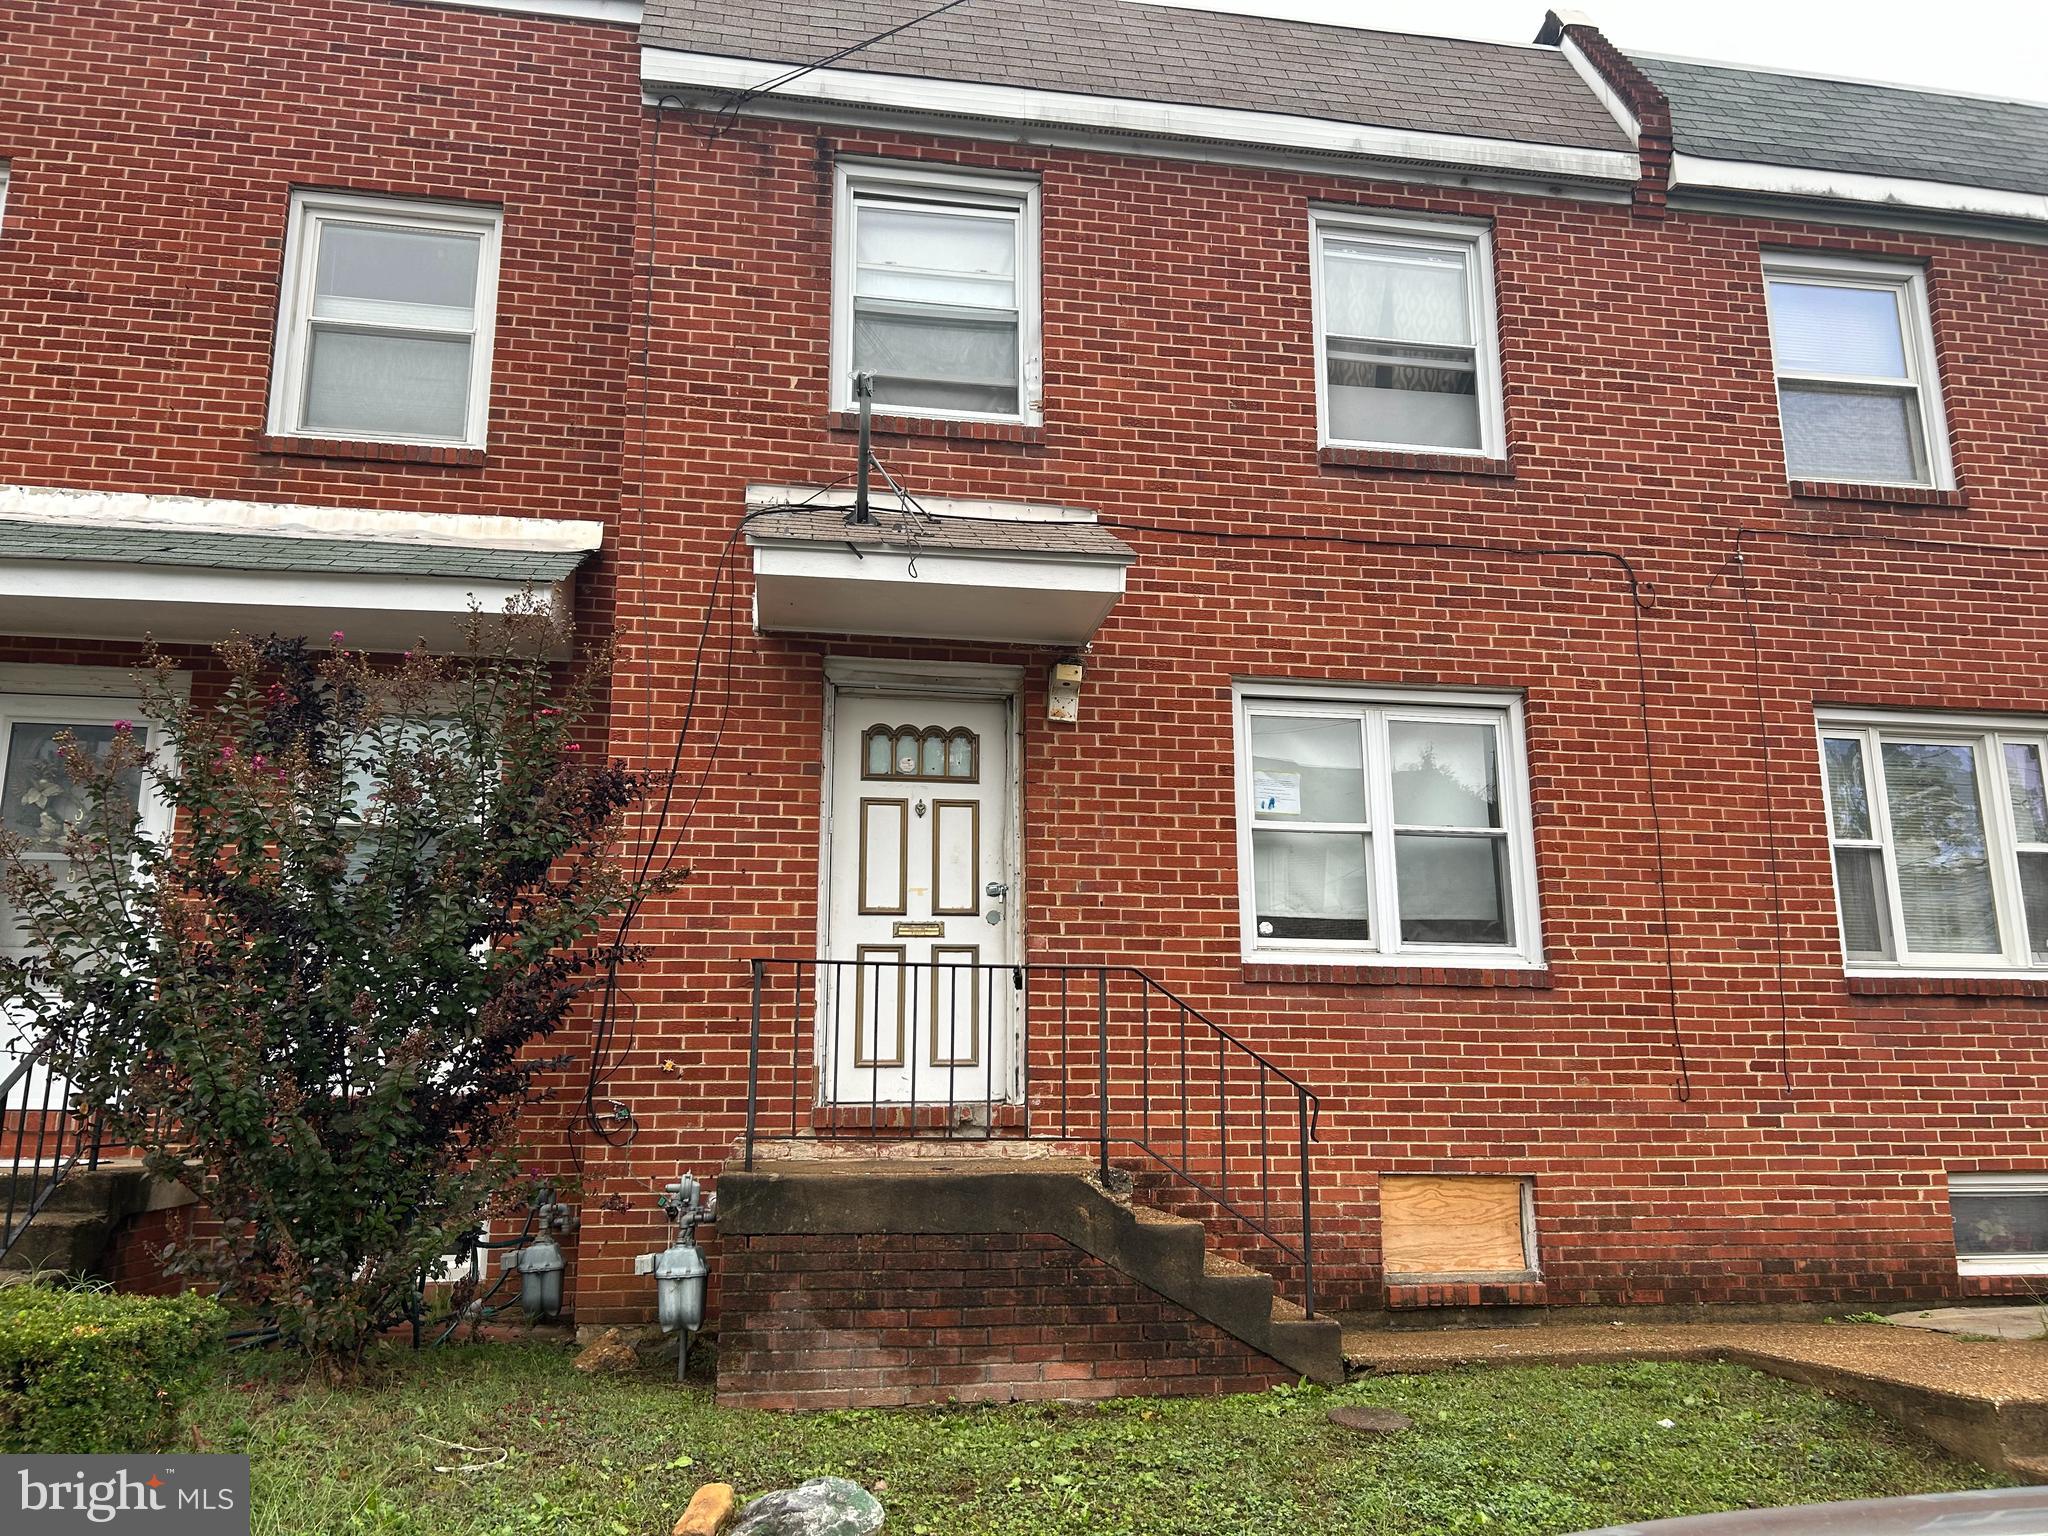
(69,1234)
(966,1195)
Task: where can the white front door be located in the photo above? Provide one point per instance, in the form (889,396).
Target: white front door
(923,918)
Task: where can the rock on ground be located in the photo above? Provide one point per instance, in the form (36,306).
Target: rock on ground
(710,1508)
(609,1351)
(824,1506)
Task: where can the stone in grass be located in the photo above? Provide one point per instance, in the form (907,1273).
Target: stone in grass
(609,1351)
(824,1506)
(710,1510)
(1369,1421)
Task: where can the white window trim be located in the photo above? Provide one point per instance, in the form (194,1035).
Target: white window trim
(1908,287)
(6,175)
(1475,242)
(1988,734)
(853,180)
(1386,948)
(2000,1184)
(48,696)
(295,303)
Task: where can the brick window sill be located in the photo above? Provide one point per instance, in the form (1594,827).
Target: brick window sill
(1423,463)
(934,426)
(1412,1292)
(1895,495)
(1396,975)
(385,453)
(1948,986)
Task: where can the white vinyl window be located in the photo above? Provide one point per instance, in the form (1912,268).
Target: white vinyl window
(6,174)
(935,293)
(1940,832)
(385,321)
(1858,392)
(2001,1222)
(1384,828)
(1407,355)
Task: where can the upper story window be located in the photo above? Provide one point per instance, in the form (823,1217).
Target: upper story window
(385,321)
(1383,828)
(1858,392)
(935,293)
(1407,355)
(6,171)
(1940,833)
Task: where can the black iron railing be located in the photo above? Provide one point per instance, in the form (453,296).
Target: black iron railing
(42,1138)
(1101,1057)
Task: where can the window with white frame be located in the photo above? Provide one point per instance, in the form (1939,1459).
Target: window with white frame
(1940,834)
(1407,355)
(6,173)
(385,321)
(1379,828)
(2001,1222)
(1858,392)
(935,292)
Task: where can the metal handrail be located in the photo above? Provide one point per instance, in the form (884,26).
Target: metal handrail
(1117,1099)
(62,1138)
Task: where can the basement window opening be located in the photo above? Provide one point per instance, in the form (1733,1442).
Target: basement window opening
(2001,1222)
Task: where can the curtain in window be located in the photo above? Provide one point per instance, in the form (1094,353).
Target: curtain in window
(1402,364)
(935,308)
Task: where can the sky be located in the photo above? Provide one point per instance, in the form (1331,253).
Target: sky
(1990,47)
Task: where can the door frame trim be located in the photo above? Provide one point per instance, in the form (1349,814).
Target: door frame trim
(870,676)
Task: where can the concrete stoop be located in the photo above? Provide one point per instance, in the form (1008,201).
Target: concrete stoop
(967,1195)
(68,1236)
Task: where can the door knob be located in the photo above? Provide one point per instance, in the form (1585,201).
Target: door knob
(996,888)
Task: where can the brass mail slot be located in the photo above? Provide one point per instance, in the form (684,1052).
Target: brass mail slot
(917,930)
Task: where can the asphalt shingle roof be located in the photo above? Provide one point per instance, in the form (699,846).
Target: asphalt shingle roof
(21,539)
(1157,53)
(1725,112)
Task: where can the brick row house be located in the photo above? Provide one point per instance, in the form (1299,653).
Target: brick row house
(1427,666)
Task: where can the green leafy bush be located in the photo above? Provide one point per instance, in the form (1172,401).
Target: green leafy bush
(85,1371)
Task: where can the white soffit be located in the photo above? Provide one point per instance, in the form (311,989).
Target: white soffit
(1694,171)
(121,565)
(988,577)
(675,69)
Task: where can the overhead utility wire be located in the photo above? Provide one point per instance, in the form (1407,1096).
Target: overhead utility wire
(729,109)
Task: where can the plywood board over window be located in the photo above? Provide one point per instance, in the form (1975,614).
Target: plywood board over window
(1455,1225)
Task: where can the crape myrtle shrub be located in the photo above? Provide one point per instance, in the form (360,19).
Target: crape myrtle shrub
(317,1004)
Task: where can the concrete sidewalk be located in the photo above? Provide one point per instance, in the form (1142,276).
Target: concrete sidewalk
(1984,1399)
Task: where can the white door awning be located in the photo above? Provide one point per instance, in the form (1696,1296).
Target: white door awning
(935,576)
(95,565)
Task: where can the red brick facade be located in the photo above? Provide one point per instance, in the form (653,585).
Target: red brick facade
(1708,1109)
(874,1322)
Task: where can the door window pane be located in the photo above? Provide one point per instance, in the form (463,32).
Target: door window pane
(1825,328)
(1944,869)
(1453,890)
(411,386)
(1311,885)
(1308,768)
(1445,775)
(1866,917)
(1840,431)
(1989,1225)
(1848,789)
(39,798)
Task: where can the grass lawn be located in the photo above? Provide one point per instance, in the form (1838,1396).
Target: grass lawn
(1503,1451)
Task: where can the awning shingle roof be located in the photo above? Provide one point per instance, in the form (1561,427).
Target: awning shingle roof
(40,540)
